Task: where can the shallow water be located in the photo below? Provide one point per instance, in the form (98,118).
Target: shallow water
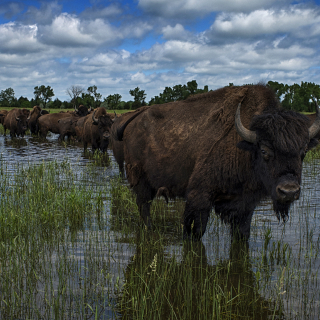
(300,234)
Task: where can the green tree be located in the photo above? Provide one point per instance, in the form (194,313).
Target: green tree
(43,94)
(87,100)
(192,86)
(56,104)
(92,91)
(7,97)
(113,101)
(24,103)
(139,97)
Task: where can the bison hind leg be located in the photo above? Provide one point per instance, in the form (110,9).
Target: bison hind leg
(145,194)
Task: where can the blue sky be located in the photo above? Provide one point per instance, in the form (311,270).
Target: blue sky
(151,44)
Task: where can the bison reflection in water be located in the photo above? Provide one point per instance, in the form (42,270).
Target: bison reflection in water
(166,288)
(199,150)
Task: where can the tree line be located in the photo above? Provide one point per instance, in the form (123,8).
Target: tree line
(293,97)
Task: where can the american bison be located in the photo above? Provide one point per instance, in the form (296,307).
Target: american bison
(116,145)
(202,150)
(35,113)
(49,122)
(96,130)
(3,114)
(16,121)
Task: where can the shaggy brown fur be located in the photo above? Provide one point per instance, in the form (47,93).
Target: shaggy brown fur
(49,122)
(16,122)
(97,134)
(189,149)
(116,143)
(3,114)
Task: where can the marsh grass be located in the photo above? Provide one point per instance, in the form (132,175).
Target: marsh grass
(72,246)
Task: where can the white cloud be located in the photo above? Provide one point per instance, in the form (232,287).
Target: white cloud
(176,8)
(69,31)
(175,33)
(15,38)
(262,22)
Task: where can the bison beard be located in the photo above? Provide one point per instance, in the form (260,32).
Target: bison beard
(281,210)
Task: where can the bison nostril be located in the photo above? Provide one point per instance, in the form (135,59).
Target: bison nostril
(288,193)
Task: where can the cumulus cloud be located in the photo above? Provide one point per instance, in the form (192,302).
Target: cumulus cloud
(97,12)
(261,22)
(69,31)
(16,38)
(168,8)
(176,33)
(44,15)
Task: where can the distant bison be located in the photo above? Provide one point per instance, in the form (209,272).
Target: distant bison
(3,114)
(201,149)
(16,121)
(49,122)
(96,130)
(35,113)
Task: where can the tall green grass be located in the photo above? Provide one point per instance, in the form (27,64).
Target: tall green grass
(73,246)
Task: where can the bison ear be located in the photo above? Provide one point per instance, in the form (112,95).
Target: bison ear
(313,143)
(246,146)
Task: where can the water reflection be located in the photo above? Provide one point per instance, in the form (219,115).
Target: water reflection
(171,289)
(212,268)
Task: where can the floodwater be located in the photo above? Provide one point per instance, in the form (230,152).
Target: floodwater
(299,233)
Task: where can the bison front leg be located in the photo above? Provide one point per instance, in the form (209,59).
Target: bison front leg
(240,226)
(196,215)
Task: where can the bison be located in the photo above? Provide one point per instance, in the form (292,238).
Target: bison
(96,130)
(67,126)
(117,146)
(49,122)
(16,121)
(202,150)
(35,113)
(3,114)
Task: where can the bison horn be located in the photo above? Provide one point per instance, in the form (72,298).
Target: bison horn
(94,119)
(244,133)
(17,119)
(313,130)
(90,109)
(115,117)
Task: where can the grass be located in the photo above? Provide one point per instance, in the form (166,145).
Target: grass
(72,246)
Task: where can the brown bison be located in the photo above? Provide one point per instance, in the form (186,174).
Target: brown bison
(16,121)
(49,122)
(67,126)
(3,114)
(96,130)
(201,149)
(117,146)
(35,113)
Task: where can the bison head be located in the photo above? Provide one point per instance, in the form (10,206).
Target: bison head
(104,123)
(22,124)
(278,141)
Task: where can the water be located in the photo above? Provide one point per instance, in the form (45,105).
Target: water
(270,245)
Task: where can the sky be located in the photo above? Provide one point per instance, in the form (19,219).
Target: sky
(153,44)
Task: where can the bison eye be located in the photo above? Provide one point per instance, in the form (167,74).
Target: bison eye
(266,152)
(265,155)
